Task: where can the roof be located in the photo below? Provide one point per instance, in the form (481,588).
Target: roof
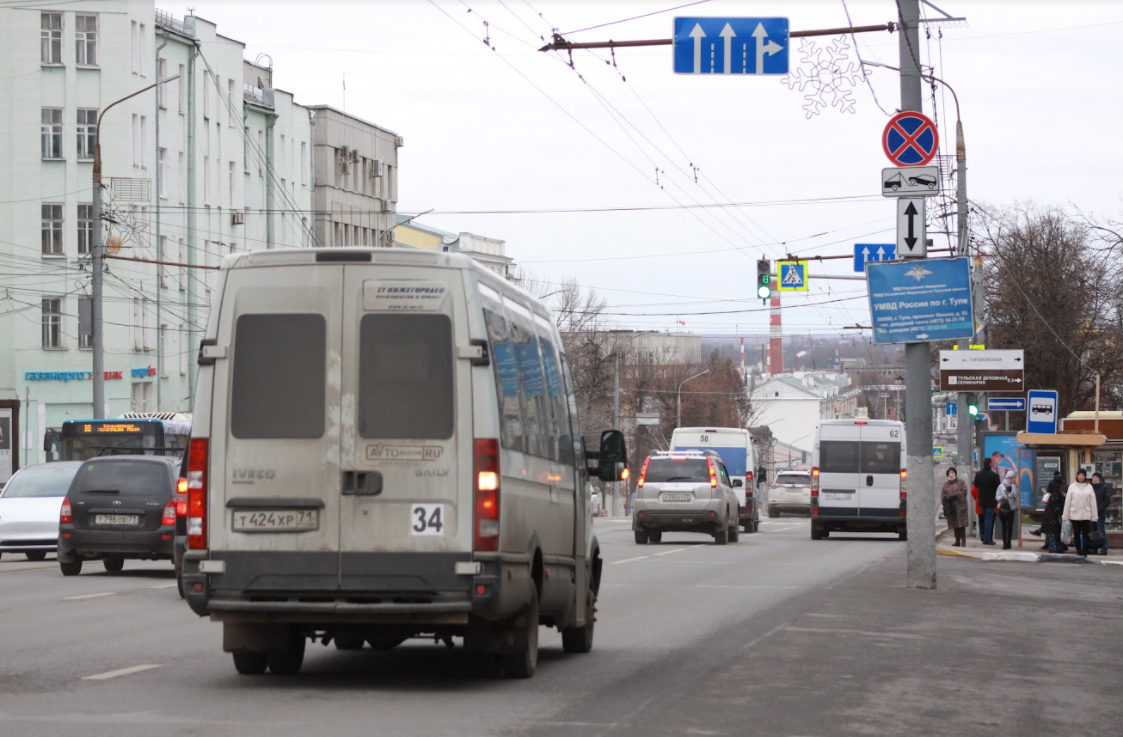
(356,118)
(1069,439)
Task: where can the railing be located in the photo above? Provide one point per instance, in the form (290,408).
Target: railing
(256,95)
(167,20)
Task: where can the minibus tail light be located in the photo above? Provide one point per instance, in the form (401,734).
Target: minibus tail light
(487,495)
(197,461)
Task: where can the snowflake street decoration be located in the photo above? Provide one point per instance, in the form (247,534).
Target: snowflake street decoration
(829,72)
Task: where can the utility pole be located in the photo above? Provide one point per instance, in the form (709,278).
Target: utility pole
(97,259)
(616,425)
(964,425)
(192,246)
(921,501)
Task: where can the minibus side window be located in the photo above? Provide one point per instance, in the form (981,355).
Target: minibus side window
(506,370)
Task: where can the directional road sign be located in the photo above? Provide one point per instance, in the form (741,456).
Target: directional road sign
(731,46)
(910,139)
(951,409)
(647,418)
(912,181)
(869,252)
(919,301)
(984,371)
(793,276)
(912,235)
(1007,404)
(1042,414)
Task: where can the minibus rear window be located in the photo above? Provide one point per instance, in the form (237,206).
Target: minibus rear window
(405,377)
(279,376)
(838,456)
(881,457)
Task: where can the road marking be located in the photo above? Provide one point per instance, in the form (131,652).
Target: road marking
(628,560)
(122,672)
(89,596)
(860,633)
(164,586)
(676,550)
(781,529)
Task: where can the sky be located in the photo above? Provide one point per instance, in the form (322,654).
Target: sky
(503,127)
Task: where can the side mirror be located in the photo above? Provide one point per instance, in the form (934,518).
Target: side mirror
(612,458)
(738,483)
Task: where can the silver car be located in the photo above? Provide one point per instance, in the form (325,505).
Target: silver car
(790,492)
(685,491)
(29,508)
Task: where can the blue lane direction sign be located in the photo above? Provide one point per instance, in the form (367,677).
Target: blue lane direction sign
(865,253)
(1042,411)
(755,46)
(951,409)
(920,301)
(1006,404)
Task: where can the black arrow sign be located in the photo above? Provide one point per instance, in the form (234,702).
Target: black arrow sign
(910,211)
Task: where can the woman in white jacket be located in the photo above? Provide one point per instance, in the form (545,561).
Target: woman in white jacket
(1080,510)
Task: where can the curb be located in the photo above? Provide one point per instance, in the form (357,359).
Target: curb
(1026,557)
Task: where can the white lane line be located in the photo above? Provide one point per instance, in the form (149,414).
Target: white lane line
(89,596)
(676,550)
(628,560)
(782,529)
(122,672)
(164,586)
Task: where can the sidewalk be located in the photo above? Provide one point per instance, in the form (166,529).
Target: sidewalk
(995,650)
(1029,552)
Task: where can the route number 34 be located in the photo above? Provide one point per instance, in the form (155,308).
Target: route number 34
(427,519)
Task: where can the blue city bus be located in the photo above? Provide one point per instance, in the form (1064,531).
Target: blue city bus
(134,433)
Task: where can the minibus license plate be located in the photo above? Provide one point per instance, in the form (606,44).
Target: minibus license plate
(676,497)
(837,496)
(116,519)
(276,520)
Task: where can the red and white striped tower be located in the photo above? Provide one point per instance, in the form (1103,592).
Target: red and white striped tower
(775,338)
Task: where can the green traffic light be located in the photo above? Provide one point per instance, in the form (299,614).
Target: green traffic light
(763,292)
(973,409)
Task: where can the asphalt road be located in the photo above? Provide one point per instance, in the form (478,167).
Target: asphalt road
(119,655)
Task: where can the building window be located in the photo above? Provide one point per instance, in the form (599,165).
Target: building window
(182,179)
(163,187)
(181,259)
(85,228)
(87,133)
(163,268)
(230,103)
(206,97)
(161,350)
(182,87)
(135,38)
(303,163)
(304,232)
(184,347)
(52,322)
(50,38)
(52,229)
(86,39)
(50,132)
(206,179)
(161,75)
(143,141)
(231,183)
(143,49)
(246,149)
(141,394)
(136,140)
(85,307)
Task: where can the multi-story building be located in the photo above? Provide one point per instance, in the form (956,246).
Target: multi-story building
(356,167)
(241,177)
(490,252)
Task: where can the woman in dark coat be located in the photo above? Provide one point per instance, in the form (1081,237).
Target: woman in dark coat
(953,496)
(1051,525)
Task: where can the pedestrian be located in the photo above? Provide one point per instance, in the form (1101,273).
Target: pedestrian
(1103,501)
(1054,489)
(987,482)
(1080,510)
(953,497)
(1054,507)
(1008,507)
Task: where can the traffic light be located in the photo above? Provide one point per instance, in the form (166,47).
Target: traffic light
(763,278)
(972,405)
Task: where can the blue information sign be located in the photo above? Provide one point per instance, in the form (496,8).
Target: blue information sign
(921,300)
(865,253)
(1008,404)
(731,46)
(951,409)
(1041,415)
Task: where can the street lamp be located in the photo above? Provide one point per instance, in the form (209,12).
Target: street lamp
(678,423)
(97,256)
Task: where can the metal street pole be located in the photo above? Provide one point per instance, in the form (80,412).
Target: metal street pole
(616,425)
(678,421)
(97,258)
(921,501)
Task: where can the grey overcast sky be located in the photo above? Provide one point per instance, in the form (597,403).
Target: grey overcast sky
(515,129)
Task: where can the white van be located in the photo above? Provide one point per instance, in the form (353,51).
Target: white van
(735,446)
(858,477)
(385,445)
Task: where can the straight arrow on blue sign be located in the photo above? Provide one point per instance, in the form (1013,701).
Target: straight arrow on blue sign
(865,253)
(731,46)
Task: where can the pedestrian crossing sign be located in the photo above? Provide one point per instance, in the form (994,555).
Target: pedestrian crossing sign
(793,276)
